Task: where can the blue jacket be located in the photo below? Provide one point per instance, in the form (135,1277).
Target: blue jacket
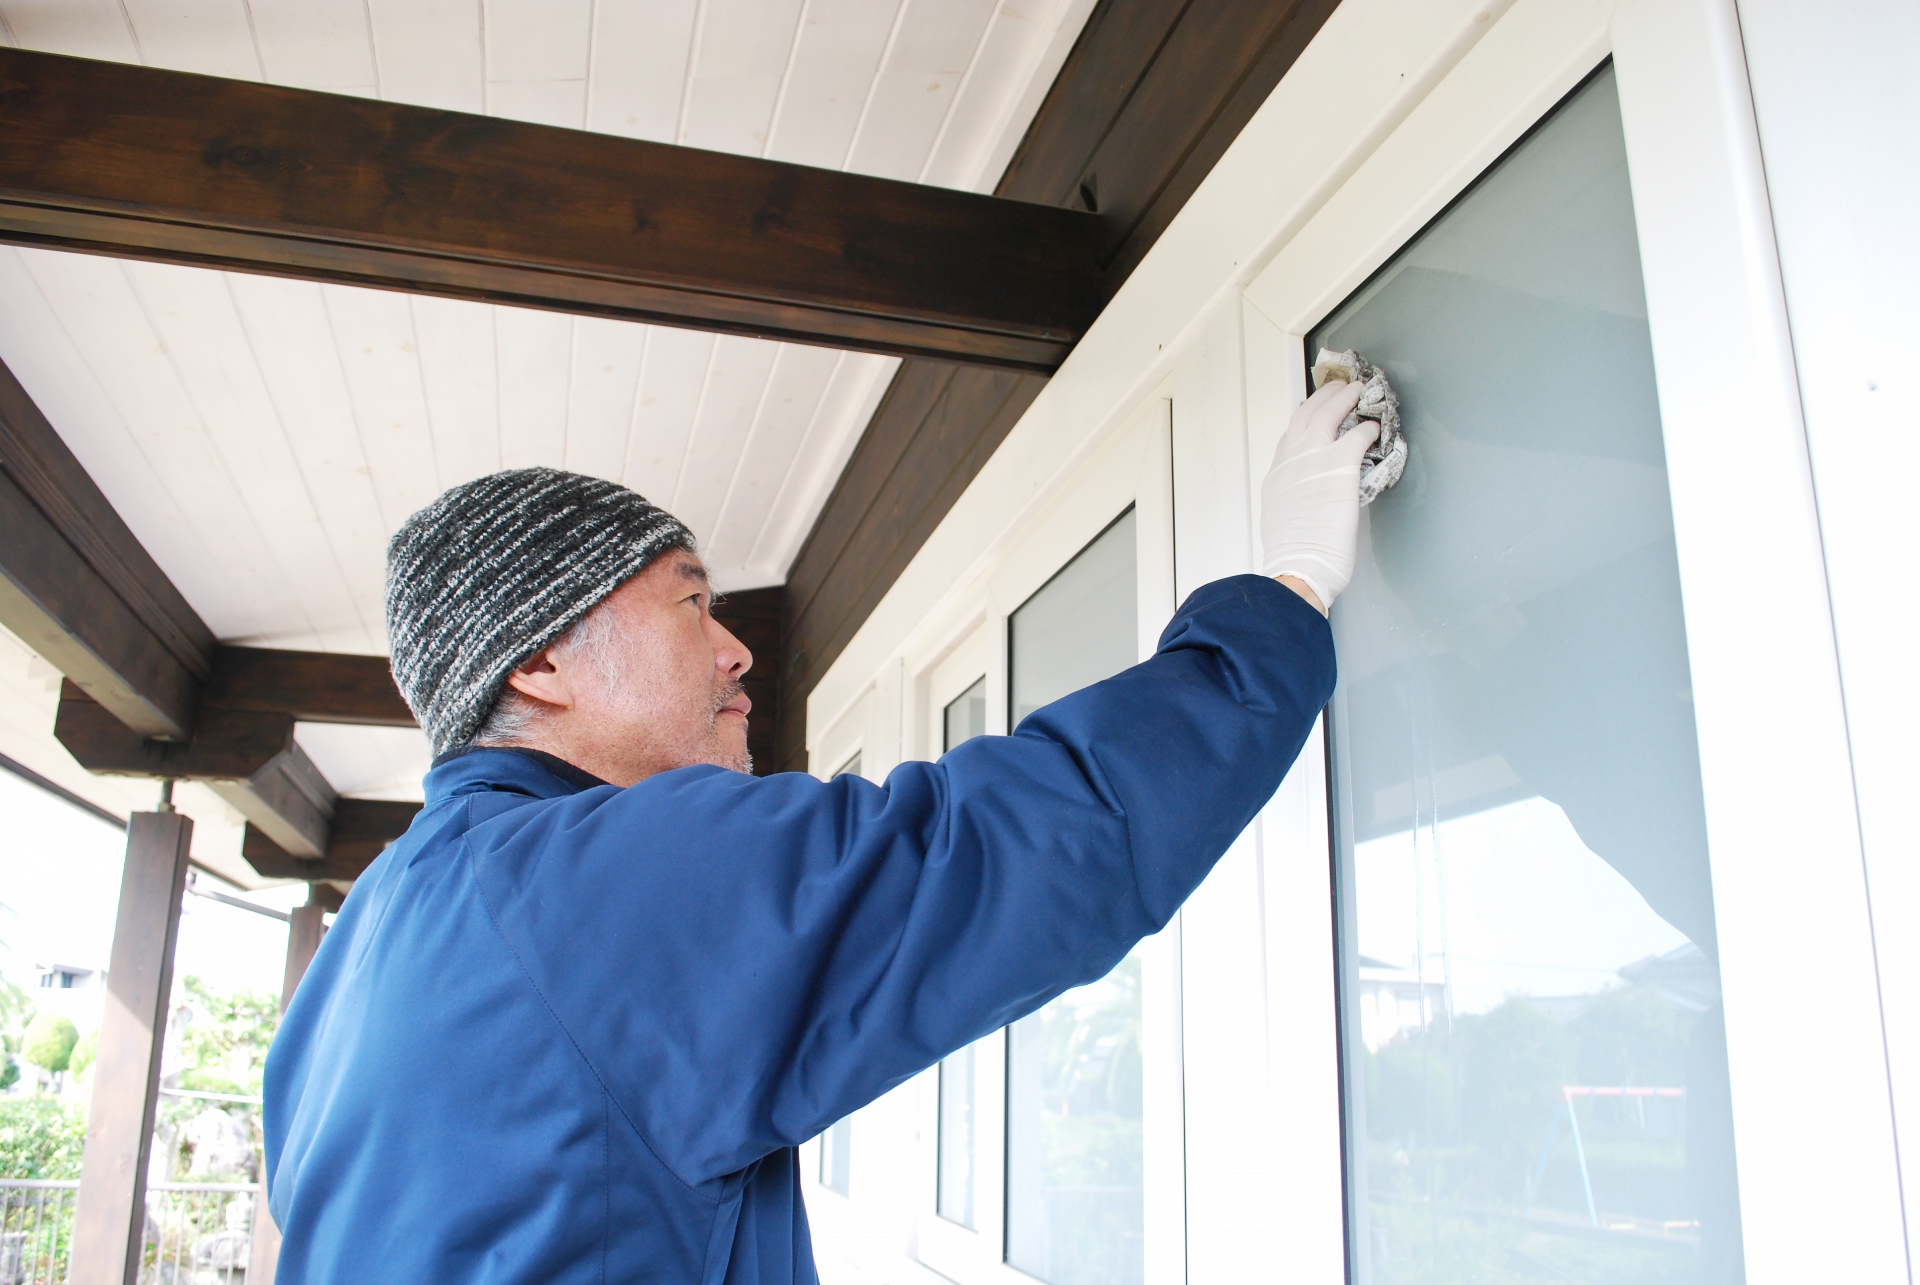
(566,1032)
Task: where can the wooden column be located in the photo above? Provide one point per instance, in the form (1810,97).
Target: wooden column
(304,932)
(111,1213)
(303,939)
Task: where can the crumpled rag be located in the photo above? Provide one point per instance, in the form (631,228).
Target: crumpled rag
(1386,459)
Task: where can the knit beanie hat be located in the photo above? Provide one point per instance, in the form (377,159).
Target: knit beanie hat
(498,568)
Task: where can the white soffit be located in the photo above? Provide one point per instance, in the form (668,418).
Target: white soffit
(263,438)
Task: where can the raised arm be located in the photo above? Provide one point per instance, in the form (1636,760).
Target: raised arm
(745,960)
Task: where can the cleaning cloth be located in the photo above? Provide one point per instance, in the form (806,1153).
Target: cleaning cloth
(1386,459)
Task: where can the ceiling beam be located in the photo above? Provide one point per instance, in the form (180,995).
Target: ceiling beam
(249,759)
(1151,96)
(77,587)
(133,161)
(312,686)
(362,829)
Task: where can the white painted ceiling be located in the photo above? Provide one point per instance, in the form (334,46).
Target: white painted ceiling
(263,438)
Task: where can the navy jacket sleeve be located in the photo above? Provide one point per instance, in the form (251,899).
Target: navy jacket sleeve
(742,960)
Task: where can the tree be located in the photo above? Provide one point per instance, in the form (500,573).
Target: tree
(50,1040)
(85,1053)
(226,1038)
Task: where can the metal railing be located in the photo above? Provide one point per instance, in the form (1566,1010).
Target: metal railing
(198,1233)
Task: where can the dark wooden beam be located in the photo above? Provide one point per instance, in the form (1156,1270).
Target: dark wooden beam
(1149,99)
(362,829)
(77,587)
(312,686)
(125,160)
(249,759)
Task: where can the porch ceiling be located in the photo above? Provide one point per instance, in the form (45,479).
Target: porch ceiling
(263,438)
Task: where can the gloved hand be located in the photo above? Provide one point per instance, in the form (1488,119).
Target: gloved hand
(1310,501)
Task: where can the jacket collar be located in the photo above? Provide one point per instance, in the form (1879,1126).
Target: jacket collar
(475,770)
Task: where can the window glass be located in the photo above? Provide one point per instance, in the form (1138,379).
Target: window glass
(836,1157)
(1536,1064)
(850,768)
(958,1098)
(965,718)
(966,715)
(1074,1199)
(1080,627)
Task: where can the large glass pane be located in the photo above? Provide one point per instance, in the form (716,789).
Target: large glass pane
(1074,1159)
(965,717)
(1536,1061)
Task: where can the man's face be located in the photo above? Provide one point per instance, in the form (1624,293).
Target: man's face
(671,695)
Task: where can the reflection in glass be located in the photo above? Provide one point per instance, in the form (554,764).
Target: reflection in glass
(965,718)
(1537,1079)
(966,715)
(958,1098)
(1075,1210)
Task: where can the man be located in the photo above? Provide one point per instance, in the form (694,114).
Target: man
(572,1026)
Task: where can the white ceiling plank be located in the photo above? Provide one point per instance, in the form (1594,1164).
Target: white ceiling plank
(81,28)
(185,482)
(736,385)
(1018,59)
(288,326)
(794,389)
(534,356)
(605,376)
(637,76)
(538,52)
(380,357)
(209,37)
(429,53)
(457,366)
(744,47)
(194,313)
(835,57)
(316,44)
(918,82)
(672,378)
(852,394)
(368,762)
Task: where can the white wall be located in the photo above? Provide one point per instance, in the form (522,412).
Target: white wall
(1839,123)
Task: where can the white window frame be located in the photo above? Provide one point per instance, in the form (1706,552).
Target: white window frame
(1813,1124)
(1132,470)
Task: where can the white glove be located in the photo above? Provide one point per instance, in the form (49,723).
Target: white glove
(1310,501)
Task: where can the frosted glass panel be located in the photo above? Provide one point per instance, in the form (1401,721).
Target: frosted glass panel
(966,715)
(1537,1087)
(1075,1209)
(1081,625)
(959,1098)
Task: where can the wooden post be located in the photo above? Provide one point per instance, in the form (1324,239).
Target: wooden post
(111,1215)
(304,932)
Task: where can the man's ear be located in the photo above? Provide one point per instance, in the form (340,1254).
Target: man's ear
(537,677)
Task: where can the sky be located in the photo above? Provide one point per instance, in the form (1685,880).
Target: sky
(60,875)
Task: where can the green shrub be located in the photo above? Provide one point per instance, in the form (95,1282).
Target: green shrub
(40,1138)
(84,1052)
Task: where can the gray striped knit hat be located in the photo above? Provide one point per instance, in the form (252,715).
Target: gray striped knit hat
(496,569)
